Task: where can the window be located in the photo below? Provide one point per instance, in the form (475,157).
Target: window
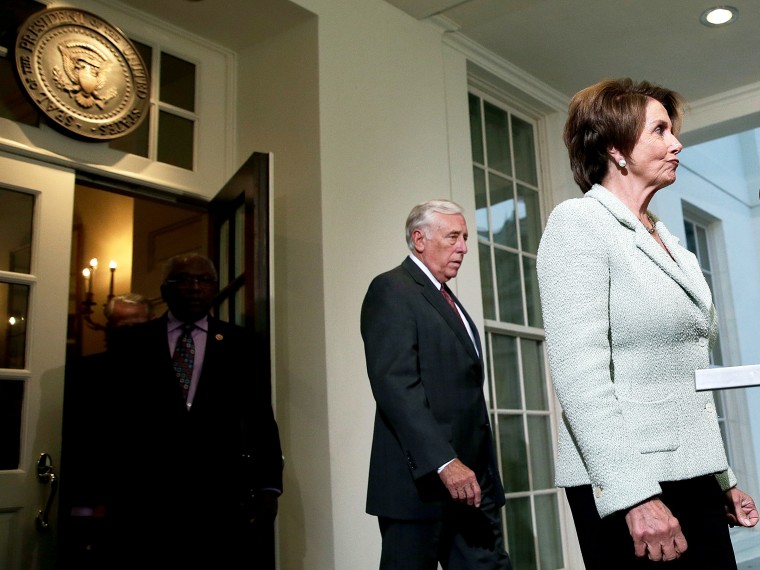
(507,187)
(697,243)
(13,102)
(167,134)
(16,216)
(169,138)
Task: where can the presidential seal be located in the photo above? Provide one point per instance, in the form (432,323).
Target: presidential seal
(82,73)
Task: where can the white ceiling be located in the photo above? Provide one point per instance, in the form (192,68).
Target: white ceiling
(567,44)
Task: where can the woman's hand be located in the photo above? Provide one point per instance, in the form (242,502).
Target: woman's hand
(740,508)
(655,531)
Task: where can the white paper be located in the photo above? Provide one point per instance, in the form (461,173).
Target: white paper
(727,377)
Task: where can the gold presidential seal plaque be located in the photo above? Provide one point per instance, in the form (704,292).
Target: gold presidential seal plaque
(82,73)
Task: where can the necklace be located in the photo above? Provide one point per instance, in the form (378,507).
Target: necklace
(652,229)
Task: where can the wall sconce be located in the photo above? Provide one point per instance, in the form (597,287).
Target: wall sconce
(89,298)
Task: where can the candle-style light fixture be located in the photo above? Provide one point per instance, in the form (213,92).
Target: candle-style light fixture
(89,302)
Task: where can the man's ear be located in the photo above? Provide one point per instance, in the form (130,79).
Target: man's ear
(418,239)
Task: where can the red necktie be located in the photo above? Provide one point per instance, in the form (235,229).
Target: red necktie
(451,302)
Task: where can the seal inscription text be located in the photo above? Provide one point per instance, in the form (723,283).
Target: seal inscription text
(82,73)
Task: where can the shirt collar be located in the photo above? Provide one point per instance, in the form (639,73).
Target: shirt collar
(426,271)
(174,323)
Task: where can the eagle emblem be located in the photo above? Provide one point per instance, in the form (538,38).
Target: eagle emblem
(84,75)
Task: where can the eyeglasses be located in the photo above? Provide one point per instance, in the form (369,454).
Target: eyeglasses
(187,280)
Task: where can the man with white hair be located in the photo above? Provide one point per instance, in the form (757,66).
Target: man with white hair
(433,482)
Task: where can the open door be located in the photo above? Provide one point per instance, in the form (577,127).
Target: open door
(35,227)
(240,247)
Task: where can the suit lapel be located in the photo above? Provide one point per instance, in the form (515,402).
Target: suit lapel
(436,299)
(680,267)
(214,342)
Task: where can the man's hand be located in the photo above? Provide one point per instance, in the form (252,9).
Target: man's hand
(461,482)
(740,508)
(655,531)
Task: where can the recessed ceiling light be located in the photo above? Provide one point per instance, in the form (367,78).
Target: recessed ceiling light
(718,16)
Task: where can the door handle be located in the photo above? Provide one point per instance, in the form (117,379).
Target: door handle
(45,475)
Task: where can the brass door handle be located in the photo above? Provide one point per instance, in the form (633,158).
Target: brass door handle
(45,475)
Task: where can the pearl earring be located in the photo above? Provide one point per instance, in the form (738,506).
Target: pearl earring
(622,163)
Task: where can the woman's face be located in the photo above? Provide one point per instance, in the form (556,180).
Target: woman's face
(653,159)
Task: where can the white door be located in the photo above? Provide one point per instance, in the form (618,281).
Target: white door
(36,203)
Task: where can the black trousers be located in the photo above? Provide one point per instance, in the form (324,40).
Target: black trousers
(697,503)
(466,538)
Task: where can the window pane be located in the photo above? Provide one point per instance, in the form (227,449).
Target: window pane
(502,211)
(704,257)
(541,458)
(177,82)
(137,141)
(16,209)
(548,532)
(481,206)
(525,155)
(175,140)
(530,219)
(14,104)
(533,301)
(486,284)
(11,403)
(497,139)
(476,130)
(240,307)
(533,375)
(239,268)
(14,300)
(691,240)
(508,283)
(224,310)
(514,457)
(506,377)
(521,548)
(224,254)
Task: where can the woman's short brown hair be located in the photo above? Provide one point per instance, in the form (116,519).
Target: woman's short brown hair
(611,113)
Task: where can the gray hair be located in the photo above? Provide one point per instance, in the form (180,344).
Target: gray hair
(127,299)
(421,216)
(173,262)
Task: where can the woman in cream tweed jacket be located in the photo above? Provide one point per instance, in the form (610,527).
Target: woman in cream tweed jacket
(628,319)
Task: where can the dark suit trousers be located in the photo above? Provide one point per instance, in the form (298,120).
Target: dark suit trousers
(696,503)
(466,538)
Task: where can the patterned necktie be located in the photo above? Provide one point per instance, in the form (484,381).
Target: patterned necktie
(451,302)
(184,358)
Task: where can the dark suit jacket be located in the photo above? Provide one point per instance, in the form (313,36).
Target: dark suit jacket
(427,380)
(181,473)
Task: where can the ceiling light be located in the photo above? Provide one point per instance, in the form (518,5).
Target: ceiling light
(718,16)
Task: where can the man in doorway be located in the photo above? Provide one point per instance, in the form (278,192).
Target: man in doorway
(88,398)
(202,464)
(433,482)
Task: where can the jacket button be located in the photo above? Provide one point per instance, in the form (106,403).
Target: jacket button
(597,492)
(709,408)
(702,342)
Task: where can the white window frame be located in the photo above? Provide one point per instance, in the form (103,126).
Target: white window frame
(215,129)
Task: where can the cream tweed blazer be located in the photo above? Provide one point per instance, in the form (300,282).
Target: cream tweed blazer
(626,326)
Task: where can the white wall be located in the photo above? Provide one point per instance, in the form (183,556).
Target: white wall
(352,104)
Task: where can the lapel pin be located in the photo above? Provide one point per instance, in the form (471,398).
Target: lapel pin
(219,336)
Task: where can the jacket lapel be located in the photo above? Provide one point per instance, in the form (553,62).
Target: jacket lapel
(681,267)
(436,299)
